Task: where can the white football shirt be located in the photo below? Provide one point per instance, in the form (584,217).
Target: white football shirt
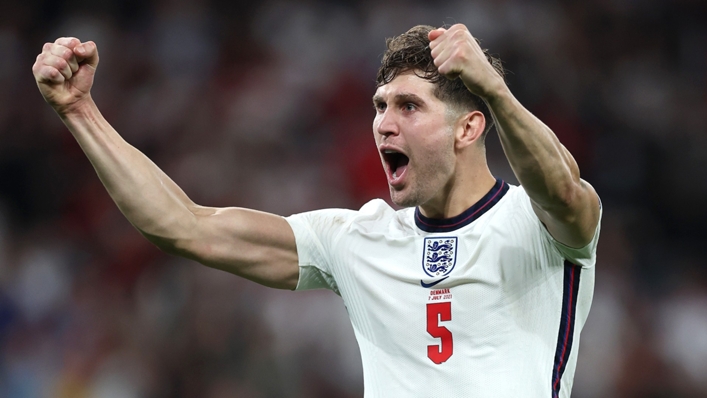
(485,304)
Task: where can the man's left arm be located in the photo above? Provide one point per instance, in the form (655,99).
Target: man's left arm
(566,204)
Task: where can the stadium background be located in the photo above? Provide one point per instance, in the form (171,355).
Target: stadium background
(267,105)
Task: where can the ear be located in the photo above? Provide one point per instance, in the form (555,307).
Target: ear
(470,129)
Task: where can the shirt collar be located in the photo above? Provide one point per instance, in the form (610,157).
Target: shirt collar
(465,218)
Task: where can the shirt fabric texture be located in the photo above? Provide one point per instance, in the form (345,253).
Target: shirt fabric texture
(486,304)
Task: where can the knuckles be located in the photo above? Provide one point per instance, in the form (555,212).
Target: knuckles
(54,61)
(459,29)
(67,40)
(460,53)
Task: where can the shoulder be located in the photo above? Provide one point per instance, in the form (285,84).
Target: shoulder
(584,256)
(514,204)
(378,211)
(516,209)
(516,194)
(518,202)
(376,218)
(372,216)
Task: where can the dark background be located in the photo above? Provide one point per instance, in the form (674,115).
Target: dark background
(267,105)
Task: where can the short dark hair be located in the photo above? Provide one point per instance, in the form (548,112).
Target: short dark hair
(411,52)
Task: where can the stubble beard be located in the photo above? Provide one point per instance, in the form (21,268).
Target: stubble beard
(405,199)
(420,189)
(427,182)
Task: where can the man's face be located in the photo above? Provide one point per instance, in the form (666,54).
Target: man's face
(414,133)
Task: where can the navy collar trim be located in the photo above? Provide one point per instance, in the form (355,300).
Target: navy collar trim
(467,217)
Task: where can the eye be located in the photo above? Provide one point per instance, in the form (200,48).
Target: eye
(409,107)
(379,106)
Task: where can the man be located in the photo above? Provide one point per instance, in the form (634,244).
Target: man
(475,289)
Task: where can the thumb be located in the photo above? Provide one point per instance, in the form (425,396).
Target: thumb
(87,53)
(434,34)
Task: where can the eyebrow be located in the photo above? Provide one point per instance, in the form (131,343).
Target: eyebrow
(399,98)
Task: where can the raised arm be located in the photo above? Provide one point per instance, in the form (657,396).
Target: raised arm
(566,204)
(255,245)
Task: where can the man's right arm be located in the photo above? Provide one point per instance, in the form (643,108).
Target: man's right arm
(255,245)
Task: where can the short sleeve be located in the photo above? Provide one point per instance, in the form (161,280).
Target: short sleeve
(583,256)
(315,233)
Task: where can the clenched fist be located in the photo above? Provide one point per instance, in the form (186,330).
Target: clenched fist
(457,54)
(64,72)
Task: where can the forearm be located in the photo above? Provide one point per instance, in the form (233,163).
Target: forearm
(149,199)
(543,166)
(564,203)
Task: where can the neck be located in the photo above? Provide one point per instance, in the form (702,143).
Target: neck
(461,193)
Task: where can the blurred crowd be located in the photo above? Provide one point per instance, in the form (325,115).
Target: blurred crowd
(267,105)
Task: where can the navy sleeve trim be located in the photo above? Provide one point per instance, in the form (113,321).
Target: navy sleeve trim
(566,333)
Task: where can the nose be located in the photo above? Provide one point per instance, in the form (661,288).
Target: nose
(385,123)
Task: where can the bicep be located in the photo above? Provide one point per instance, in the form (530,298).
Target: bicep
(574,223)
(252,244)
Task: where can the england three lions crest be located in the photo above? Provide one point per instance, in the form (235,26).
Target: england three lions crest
(440,256)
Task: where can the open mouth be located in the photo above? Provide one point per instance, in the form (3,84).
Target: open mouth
(396,163)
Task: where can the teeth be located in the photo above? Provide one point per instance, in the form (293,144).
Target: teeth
(388,151)
(395,174)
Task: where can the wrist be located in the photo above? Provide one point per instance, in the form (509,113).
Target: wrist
(496,92)
(79,108)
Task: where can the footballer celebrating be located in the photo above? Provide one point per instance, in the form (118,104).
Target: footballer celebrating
(475,288)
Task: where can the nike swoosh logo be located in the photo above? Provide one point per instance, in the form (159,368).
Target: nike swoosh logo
(433,283)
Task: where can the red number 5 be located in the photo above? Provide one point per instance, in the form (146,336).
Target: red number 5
(436,313)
